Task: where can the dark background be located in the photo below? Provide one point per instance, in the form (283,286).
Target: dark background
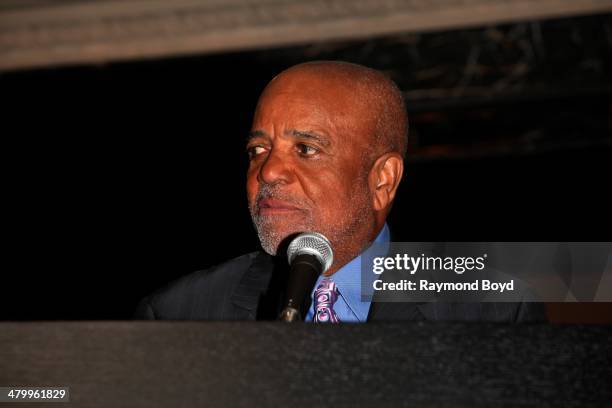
(122,177)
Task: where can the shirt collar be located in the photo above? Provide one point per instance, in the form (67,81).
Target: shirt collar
(348,279)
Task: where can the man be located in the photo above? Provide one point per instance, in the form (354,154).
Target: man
(326,154)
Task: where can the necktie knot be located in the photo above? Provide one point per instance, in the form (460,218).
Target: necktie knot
(325,296)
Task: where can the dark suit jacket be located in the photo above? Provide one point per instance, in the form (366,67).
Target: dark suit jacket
(250,288)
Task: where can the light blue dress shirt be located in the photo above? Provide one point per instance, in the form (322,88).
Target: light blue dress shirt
(349,307)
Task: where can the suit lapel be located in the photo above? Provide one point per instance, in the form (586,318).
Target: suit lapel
(395,310)
(388,311)
(251,286)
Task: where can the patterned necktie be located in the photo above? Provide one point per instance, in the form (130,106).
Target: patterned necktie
(324,298)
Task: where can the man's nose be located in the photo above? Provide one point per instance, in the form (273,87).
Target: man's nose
(275,169)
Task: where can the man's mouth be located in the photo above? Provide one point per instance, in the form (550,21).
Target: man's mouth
(270,206)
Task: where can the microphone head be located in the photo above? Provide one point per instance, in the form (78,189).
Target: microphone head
(312,243)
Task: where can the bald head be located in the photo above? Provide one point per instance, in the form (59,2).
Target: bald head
(377,98)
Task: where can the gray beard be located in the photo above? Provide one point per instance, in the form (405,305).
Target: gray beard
(268,237)
(359,212)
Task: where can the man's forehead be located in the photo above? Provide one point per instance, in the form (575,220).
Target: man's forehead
(287,122)
(313,84)
(297,110)
(310,101)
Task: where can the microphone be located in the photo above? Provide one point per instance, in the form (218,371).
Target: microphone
(310,254)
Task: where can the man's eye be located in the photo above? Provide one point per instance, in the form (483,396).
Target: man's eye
(306,150)
(255,151)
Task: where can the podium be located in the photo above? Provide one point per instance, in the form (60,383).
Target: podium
(217,364)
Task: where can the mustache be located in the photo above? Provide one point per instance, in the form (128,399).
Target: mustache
(274,192)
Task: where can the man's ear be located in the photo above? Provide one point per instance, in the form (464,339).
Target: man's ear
(384,179)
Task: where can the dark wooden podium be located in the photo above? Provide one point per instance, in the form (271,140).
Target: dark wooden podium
(200,364)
